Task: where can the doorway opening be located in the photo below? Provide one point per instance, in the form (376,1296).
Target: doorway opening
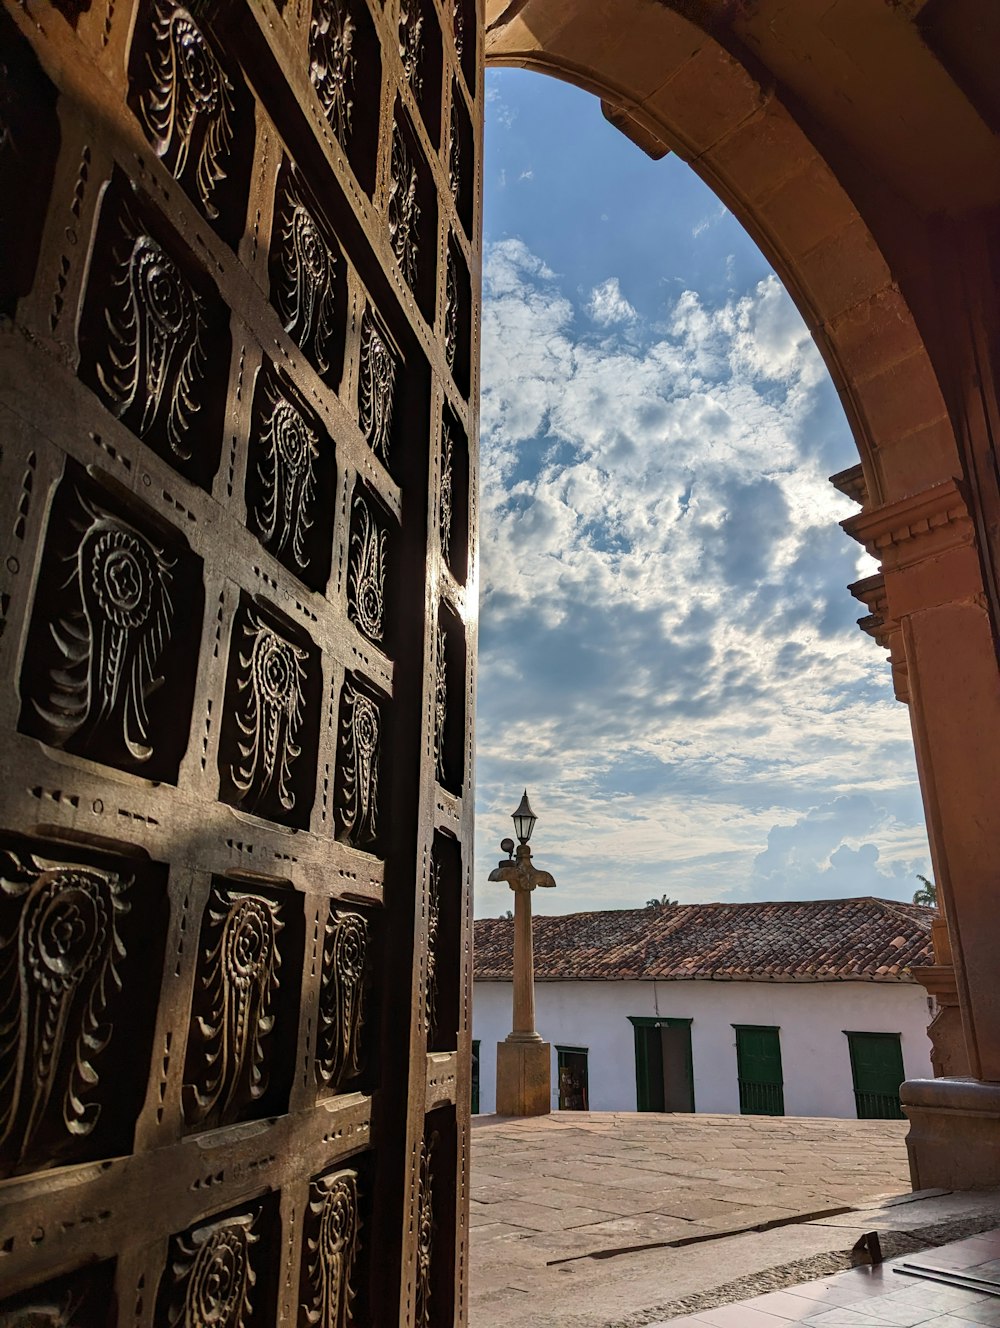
(664,1069)
(574,1088)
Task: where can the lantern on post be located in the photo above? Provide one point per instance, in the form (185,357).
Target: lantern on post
(524,1075)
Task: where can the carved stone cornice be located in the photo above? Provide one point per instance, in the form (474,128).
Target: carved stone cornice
(914,528)
(852,484)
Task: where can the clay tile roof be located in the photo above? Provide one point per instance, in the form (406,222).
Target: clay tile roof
(820,940)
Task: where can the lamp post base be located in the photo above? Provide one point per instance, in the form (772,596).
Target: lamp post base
(524,1078)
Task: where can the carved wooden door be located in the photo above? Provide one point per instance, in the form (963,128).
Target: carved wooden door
(239,271)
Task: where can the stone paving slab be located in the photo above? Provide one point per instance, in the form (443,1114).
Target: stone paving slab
(872,1297)
(554,1197)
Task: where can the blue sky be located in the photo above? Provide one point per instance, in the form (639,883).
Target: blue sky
(668,652)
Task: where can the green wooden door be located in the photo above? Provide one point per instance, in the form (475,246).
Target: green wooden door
(648,1068)
(758,1067)
(877,1068)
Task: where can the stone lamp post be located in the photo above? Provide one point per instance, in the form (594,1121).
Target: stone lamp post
(523,1060)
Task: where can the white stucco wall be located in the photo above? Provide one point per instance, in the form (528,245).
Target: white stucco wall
(812,1017)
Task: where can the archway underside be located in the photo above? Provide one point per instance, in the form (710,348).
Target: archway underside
(856,145)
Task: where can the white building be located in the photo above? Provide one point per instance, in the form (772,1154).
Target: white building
(802,1009)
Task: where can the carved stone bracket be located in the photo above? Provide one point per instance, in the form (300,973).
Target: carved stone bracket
(882,628)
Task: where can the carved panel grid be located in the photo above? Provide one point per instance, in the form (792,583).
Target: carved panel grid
(214,516)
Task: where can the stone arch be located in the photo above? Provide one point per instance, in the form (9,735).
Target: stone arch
(664,80)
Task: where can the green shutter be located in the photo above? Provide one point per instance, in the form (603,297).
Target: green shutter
(758,1067)
(877,1069)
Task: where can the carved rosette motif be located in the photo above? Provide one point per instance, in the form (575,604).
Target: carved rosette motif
(305,295)
(360,743)
(60,955)
(211,1275)
(446,491)
(404,209)
(411,45)
(332,1242)
(433,930)
(189,108)
(440,702)
(271,686)
(376,392)
(156,326)
(288,479)
(233,1009)
(366,573)
(110,647)
(331,63)
(451,299)
(425,1231)
(341,1010)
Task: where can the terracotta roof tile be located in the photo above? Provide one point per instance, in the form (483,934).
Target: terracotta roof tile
(818,940)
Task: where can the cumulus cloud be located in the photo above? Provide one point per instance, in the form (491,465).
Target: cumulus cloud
(668,655)
(608,305)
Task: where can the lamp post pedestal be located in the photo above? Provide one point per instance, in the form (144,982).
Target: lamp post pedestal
(524,1077)
(524,1061)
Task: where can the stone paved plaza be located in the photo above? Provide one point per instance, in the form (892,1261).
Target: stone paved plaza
(574,1214)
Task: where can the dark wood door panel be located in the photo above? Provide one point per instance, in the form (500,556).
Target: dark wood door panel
(238,374)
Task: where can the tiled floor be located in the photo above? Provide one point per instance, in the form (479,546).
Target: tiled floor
(873,1297)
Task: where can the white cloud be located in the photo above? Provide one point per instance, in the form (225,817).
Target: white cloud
(668,653)
(608,305)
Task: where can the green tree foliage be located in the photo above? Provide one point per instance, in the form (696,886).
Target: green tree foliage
(927,894)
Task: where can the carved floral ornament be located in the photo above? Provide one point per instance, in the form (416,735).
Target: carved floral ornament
(60,952)
(376,393)
(233,1007)
(342,996)
(446,491)
(360,752)
(366,572)
(156,326)
(425,1231)
(451,312)
(305,294)
(433,930)
(411,44)
(271,689)
(211,1275)
(189,109)
(332,1242)
(458,25)
(455,151)
(331,63)
(111,646)
(440,702)
(288,479)
(404,209)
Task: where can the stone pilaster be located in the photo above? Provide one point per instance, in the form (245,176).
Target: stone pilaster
(927,607)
